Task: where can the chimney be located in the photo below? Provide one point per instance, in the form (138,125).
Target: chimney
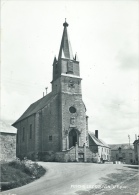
(96,134)
(43,94)
(46,90)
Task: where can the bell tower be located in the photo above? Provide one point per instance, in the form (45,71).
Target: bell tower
(66,64)
(67,84)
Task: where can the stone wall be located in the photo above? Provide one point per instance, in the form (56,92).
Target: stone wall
(50,126)
(44,123)
(125,155)
(26,147)
(7,146)
(69,155)
(79,117)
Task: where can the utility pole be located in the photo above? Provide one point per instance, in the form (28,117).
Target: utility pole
(129,139)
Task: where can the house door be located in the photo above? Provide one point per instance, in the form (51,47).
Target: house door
(72,138)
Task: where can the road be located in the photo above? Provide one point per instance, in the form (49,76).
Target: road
(80,179)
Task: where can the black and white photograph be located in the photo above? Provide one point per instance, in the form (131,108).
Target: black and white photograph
(69,119)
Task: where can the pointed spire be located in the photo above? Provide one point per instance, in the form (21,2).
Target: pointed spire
(55,60)
(76,57)
(65,47)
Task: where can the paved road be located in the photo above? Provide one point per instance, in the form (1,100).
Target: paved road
(70,179)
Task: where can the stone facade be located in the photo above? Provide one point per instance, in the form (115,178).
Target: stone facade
(7,146)
(51,128)
(136,150)
(123,153)
(7,142)
(97,146)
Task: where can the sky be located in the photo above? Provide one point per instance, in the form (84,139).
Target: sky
(105,36)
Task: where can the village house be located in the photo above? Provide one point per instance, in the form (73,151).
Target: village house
(55,128)
(99,147)
(123,153)
(7,142)
(136,150)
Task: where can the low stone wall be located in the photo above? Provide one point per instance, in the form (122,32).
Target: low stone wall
(7,146)
(68,155)
(47,156)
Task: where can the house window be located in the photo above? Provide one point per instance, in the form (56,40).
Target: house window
(50,137)
(23,135)
(123,155)
(130,155)
(30,131)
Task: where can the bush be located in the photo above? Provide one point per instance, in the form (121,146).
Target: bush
(20,172)
(27,166)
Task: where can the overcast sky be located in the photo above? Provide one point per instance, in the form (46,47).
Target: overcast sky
(105,36)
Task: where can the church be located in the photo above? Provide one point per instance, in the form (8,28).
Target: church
(55,128)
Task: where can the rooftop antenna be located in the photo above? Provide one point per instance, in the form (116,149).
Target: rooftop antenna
(129,139)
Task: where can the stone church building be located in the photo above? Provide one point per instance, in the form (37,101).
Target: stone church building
(55,128)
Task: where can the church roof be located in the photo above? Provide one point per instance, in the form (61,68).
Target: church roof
(97,141)
(36,106)
(65,47)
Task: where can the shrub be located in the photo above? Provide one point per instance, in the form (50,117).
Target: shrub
(20,172)
(27,166)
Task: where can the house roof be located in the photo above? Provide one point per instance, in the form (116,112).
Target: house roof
(7,128)
(136,141)
(122,146)
(98,142)
(36,106)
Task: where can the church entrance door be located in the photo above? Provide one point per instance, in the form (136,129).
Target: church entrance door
(72,138)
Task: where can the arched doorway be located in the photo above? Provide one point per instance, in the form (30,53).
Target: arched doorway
(72,138)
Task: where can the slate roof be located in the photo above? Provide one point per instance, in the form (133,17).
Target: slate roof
(65,47)
(98,142)
(7,128)
(122,146)
(36,106)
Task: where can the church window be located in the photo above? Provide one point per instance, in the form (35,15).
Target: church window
(70,67)
(30,131)
(72,109)
(23,135)
(50,137)
(17,137)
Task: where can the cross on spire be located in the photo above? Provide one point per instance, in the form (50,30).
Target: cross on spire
(65,24)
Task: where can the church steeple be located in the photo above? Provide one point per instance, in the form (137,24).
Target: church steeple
(66,64)
(65,47)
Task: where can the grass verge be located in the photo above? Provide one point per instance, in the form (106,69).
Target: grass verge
(18,173)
